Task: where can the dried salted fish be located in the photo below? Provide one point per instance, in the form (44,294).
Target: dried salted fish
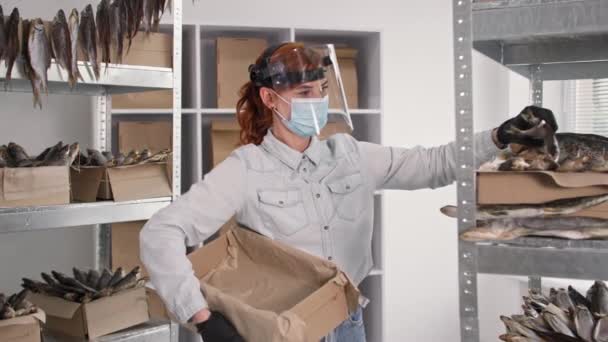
(517,328)
(118,22)
(562,300)
(61,43)
(17,153)
(577,298)
(598,297)
(39,52)
(13,47)
(600,334)
(584,323)
(73,27)
(130,280)
(557,324)
(104,30)
(87,37)
(104,280)
(148,9)
(2,35)
(553,208)
(92,278)
(96,158)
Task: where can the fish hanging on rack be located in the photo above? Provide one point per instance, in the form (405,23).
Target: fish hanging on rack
(148,8)
(74,31)
(13,47)
(136,17)
(39,51)
(87,37)
(2,35)
(61,43)
(104,30)
(118,22)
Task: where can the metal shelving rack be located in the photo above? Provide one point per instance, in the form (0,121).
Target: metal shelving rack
(115,79)
(541,40)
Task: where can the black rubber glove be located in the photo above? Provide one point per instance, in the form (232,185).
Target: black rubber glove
(510,132)
(218,329)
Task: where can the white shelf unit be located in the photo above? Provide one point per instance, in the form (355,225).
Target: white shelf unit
(200,108)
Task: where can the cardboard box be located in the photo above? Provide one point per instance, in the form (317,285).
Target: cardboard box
(347,60)
(124,183)
(148,100)
(224,139)
(97,318)
(125,246)
(22,329)
(138,135)
(234,55)
(153,50)
(270,291)
(34,186)
(533,187)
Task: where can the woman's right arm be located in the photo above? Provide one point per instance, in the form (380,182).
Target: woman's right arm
(190,220)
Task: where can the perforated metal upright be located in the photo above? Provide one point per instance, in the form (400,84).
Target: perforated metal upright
(463,87)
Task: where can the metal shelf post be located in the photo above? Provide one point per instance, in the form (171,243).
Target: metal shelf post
(463,86)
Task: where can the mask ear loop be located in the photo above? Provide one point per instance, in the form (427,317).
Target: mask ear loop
(275,110)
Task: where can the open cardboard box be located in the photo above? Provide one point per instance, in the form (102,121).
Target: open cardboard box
(34,186)
(123,183)
(22,329)
(533,187)
(271,292)
(97,318)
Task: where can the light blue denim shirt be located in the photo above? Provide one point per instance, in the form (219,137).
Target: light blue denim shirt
(320,201)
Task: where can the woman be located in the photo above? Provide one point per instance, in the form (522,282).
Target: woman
(287,184)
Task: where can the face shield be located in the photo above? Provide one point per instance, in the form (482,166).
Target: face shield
(306,78)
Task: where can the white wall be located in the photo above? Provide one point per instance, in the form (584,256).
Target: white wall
(64,118)
(421,259)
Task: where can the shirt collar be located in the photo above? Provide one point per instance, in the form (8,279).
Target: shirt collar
(289,156)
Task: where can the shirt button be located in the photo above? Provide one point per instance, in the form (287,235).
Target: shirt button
(303,157)
(304,169)
(318,195)
(326,227)
(330,258)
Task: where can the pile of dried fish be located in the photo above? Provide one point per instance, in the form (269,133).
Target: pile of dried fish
(16,305)
(507,222)
(565,315)
(561,152)
(35,44)
(84,287)
(14,155)
(96,158)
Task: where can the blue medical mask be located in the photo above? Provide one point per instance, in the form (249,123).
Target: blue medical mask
(304,111)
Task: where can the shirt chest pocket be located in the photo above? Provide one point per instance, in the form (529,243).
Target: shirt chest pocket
(348,196)
(283,211)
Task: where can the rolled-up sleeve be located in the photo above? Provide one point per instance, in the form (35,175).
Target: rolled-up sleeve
(188,221)
(418,167)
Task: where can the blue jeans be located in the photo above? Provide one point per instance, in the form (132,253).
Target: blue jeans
(351,330)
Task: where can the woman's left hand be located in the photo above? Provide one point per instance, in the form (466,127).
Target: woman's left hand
(510,132)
